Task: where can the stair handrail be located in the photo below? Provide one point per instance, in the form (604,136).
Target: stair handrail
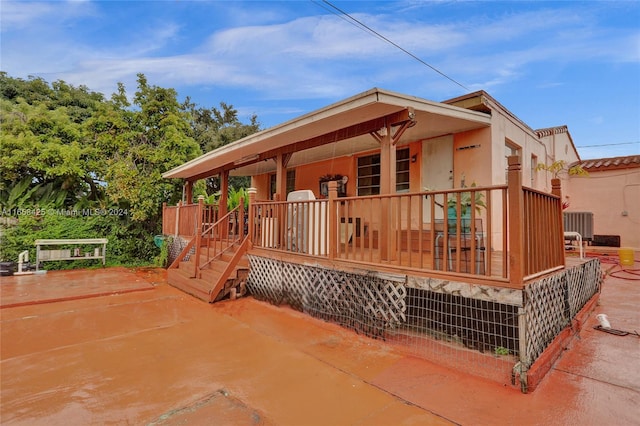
(238,235)
(231,265)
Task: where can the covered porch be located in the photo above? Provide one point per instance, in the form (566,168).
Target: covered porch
(481,270)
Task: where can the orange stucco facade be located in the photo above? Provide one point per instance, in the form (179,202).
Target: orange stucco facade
(613,196)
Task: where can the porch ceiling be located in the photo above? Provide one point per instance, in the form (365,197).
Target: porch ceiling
(247,156)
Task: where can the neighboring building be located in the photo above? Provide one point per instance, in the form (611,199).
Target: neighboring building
(612,193)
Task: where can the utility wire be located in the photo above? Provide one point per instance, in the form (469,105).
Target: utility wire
(608,144)
(370,30)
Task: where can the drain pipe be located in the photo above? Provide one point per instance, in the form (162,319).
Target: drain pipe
(522,365)
(22,259)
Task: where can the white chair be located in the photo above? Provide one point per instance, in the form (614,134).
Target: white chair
(570,236)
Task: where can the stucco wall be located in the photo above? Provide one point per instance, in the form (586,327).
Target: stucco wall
(614,199)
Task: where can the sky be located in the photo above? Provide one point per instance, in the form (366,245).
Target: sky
(568,63)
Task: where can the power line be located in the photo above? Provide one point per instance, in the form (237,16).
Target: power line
(608,144)
(370,30)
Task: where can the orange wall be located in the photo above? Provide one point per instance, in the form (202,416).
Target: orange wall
(472,157)
(614,199)
(308,175)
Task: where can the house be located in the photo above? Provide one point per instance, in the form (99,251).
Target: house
(611,194)
(420,222)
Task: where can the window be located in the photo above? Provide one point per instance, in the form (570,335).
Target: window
(534,167)
(368,181)
(402,170)
(291,183)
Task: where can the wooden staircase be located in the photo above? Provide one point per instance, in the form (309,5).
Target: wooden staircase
(225,276)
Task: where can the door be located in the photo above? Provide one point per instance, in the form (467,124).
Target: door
(437,169)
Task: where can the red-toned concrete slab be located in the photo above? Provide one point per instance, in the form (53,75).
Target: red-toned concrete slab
(162,357)
(606,357)
(57,286)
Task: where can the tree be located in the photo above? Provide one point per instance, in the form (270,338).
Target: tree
(213,128)
(69,148)
(142,144)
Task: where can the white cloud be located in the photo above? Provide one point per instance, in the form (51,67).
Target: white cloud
(26,14)
(315,56)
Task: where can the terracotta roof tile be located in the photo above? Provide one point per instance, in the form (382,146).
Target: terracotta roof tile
(551,131)
(611,163)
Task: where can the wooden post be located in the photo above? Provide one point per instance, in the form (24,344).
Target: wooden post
(188,192)
(556,189)
(164,216)
(515,222)
(222,204)
(252,214)
(224,194)
(240,232)
(387,187)
(177,224)
(334,233)
(198,236)
(281,175)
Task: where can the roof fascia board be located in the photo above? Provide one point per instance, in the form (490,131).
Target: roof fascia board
(369,97)
(362,99)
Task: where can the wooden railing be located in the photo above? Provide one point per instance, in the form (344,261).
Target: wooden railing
(216,236)
(219,237)
(409,231)
(542,227)
(182,219)
(295,226)
(506,234)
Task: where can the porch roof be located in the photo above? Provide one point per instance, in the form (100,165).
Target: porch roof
(245,156)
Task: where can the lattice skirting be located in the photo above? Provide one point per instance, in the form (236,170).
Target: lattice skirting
(177,245)
(366,303)
(464,319)
(552,302)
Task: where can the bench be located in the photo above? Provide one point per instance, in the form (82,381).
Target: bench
(43,255)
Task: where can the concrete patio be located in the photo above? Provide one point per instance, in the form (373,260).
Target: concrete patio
(119,346)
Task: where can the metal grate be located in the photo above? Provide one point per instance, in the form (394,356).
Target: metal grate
(470,327)
(478,336)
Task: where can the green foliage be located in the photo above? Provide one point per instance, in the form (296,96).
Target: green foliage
(162,259)
(234,197)
(67,148)
(560,167)
(129,243)
(213,128)
(499,350)
(465,201)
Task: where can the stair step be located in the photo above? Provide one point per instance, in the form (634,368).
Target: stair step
(188,267)
(210,275)
(181,280)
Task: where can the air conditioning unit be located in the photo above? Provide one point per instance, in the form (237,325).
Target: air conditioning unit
(580,222)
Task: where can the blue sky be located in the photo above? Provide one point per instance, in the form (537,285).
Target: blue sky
(550,63)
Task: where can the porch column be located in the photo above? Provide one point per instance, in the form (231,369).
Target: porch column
(224,193)
(188,192)
(281,175)
(515,222)
(332,208)
(387,187)
(252,214)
